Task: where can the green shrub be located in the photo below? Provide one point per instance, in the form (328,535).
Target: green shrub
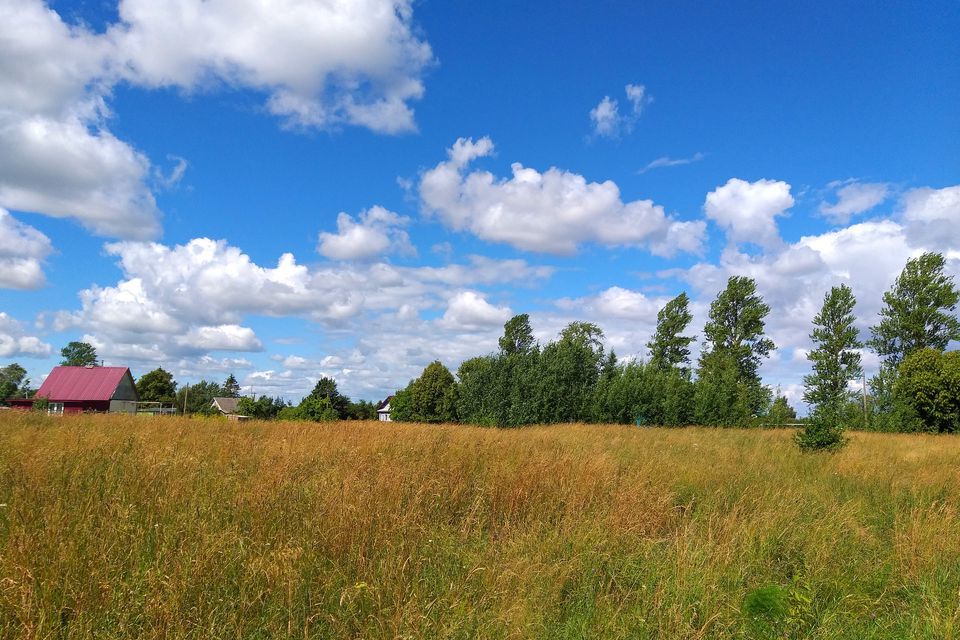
(928,382)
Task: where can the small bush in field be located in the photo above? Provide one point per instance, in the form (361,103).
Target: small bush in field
(822,432)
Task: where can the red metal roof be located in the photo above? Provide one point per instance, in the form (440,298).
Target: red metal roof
(66,384)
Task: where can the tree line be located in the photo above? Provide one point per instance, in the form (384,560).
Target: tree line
(573,378)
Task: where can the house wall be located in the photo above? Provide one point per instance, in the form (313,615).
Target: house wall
(125,390)
(85,405)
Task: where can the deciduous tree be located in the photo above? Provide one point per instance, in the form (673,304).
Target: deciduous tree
(157,386)
(918,311)
(928,382)
(79,354)
(517,335)
(327,388)
(668,347)
(735,337)
(836,361)
(12,380)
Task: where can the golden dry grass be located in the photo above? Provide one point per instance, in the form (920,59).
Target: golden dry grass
(123,527)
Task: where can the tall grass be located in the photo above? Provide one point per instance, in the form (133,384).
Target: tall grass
(121,527)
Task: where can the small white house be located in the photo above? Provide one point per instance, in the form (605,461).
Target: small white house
(383,410)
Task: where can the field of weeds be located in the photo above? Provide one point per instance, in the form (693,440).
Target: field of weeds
(126,527)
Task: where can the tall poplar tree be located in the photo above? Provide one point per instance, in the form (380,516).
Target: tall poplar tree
(668,348)
(835,362)
(734,346)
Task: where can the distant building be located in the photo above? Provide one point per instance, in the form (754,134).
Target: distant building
(80,389)
(383,410)
(228,407)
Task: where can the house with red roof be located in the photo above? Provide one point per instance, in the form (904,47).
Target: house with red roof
(79,389)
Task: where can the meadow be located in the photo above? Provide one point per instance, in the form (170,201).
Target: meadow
(128,527)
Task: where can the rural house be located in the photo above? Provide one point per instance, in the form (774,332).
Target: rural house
(79,389)
(383,410)
(226,406)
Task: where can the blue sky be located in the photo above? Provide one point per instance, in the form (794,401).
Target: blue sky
(357,190)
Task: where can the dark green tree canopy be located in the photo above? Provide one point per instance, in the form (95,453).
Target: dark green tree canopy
(12,380)
(231,388)
(918,311)
(517,335)
(198,397)
(79,354)
(327,388)
(928,382)
(736,325)
(157,386)
(263,408)
(668,347)
(429,398)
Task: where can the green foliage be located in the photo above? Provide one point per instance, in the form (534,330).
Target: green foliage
(79,354)
(231,388)
(430,398)
(157,386)
(317,409)
(362,410)
(326,388)
(835,362)
(668,348)
(776,611)
(766,607)
(928,382)
(645,394)
(504,389)
(41,404)
(262,408)
(734,338)
(781,412)
(517,335)
(12,380)
(289,412)
(569,372)
(401,407)
(720,397)
(918,311)
(198,398)
(823,431)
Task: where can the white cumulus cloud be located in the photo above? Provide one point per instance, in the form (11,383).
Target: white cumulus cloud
(552,212)
(224,337)
(377,231)
(14,342)
(932,217)
(319,63)
(22,252)
(747,211)
(57,156)
(469,309)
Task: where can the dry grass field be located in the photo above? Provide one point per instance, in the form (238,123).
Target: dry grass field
(120,527)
